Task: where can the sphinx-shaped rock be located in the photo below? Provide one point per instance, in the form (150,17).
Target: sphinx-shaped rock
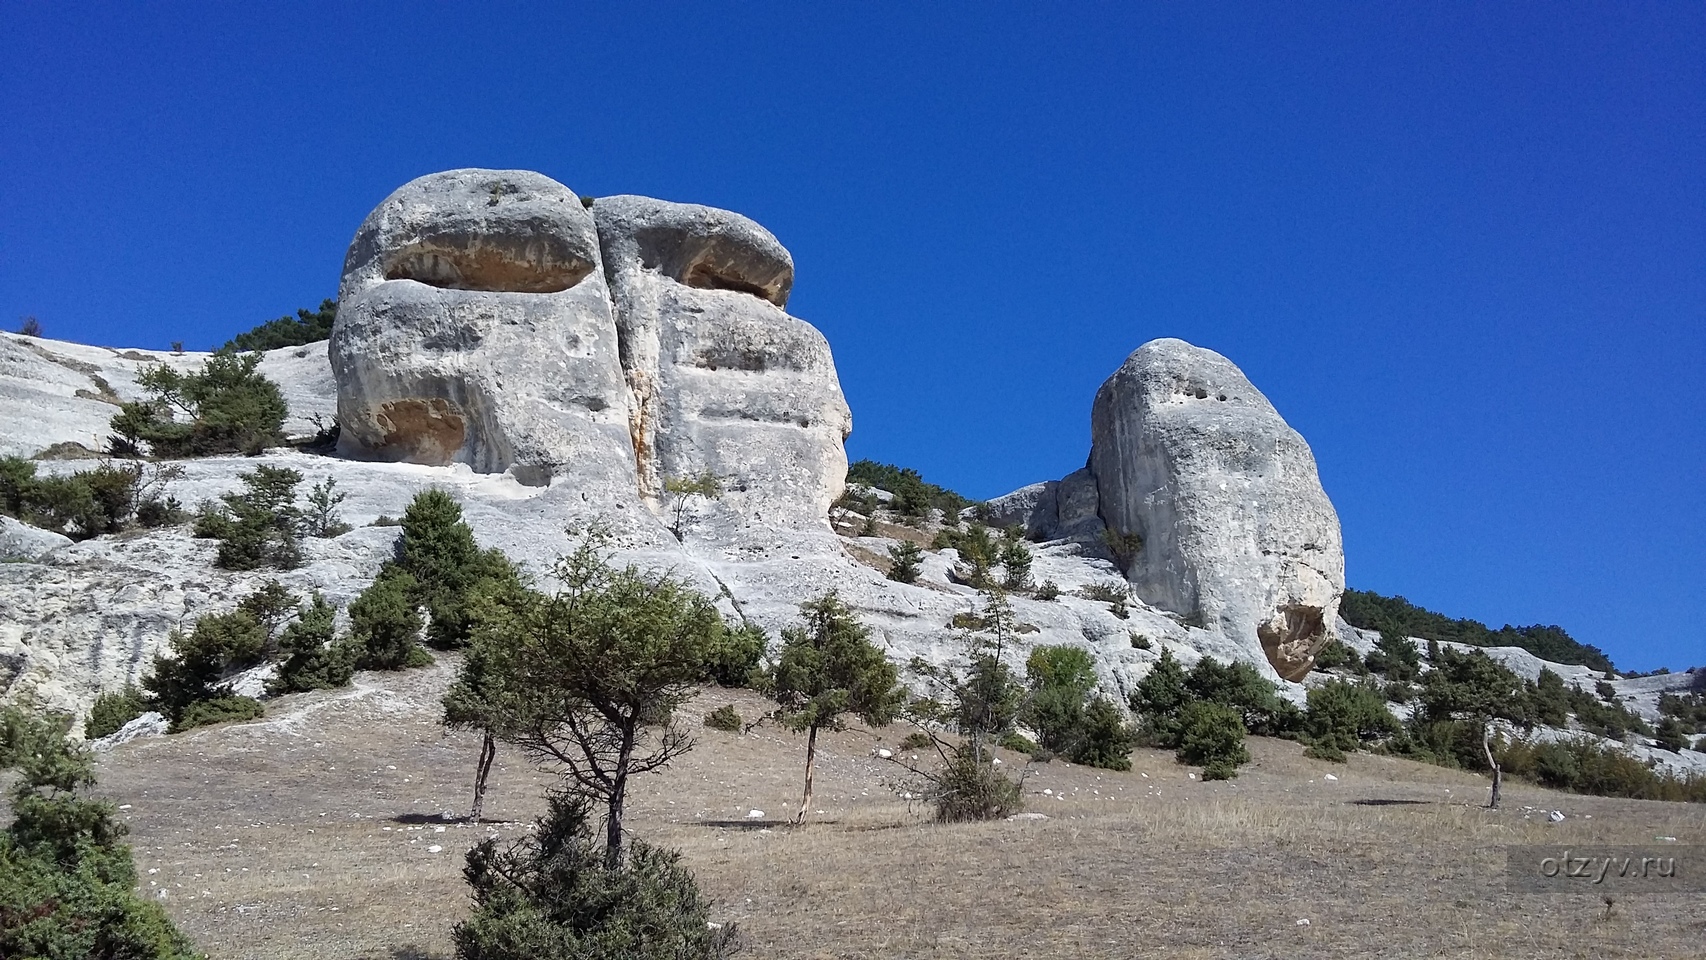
(722,379)
(474,327)
(1235,527)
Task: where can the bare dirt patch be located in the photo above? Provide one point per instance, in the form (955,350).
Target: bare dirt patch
(312,834)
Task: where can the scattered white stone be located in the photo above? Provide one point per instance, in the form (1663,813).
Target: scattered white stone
(1048,793)
(1029,816)
(995,760)
(1555,816)
(437,829)
(1666,839)
(885,754)
(434,848)
(1329,777)
(713,925)
(755,814)
(1304,922)
(1191,775)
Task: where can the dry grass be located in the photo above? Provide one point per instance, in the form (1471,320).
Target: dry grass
(310,835)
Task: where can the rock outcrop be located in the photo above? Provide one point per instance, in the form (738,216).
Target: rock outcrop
(20,542)
(474,327)
(1235,528)
(488,318)
(550,361)
(721,378)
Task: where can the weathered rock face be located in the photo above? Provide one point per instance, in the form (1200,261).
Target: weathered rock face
(20,541)
(1188,455)
(474,327)
(721,378)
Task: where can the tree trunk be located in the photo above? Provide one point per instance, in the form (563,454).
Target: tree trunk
(488,752)
(618,798)
(1487,745)
(811,758)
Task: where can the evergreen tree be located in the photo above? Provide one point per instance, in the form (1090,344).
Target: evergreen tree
(483,698)
(1342,716)
(1396,657)
(259,526)
(228,407)
(1473,687)
(66,875)
(1211,736)
(304,328)
(385,625)
(830,668)
(554,896)
(1016,563)
(606,660)
(904,558)
(1158,701)
(450,572)
(311,655)
(1061,679)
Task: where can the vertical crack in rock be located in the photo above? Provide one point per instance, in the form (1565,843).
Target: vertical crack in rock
(721,379)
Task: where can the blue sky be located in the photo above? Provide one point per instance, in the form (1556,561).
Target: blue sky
(1462,247)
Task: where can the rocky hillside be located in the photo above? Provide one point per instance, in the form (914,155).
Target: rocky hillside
(553,362)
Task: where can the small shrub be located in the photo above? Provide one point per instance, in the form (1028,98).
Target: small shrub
(29,327)
(204,713)
(1047,591)
(904,558)
(311,657)
(725,718)
(1346,715)
(1105,592)
(1324,750)
(385,520)
(259,526)
(80,505)
(1016,564)
(1212,736)
(385,625)
(228,406)
(1219,770)
(1123,546)
(1335,655)
(113,710)
(1119,609)
(917,740)
(732,657)
(1015,741)
(1672,736)
(553,895)
(321,519)
(971,788)
(219,645)
(1140,642)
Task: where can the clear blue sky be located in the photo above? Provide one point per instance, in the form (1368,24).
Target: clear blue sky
(1462,247)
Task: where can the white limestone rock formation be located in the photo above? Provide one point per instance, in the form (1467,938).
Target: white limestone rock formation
(474,327)
(1236,530)
(722,379)
(20,542)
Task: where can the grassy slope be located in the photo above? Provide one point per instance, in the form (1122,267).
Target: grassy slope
(309,835)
